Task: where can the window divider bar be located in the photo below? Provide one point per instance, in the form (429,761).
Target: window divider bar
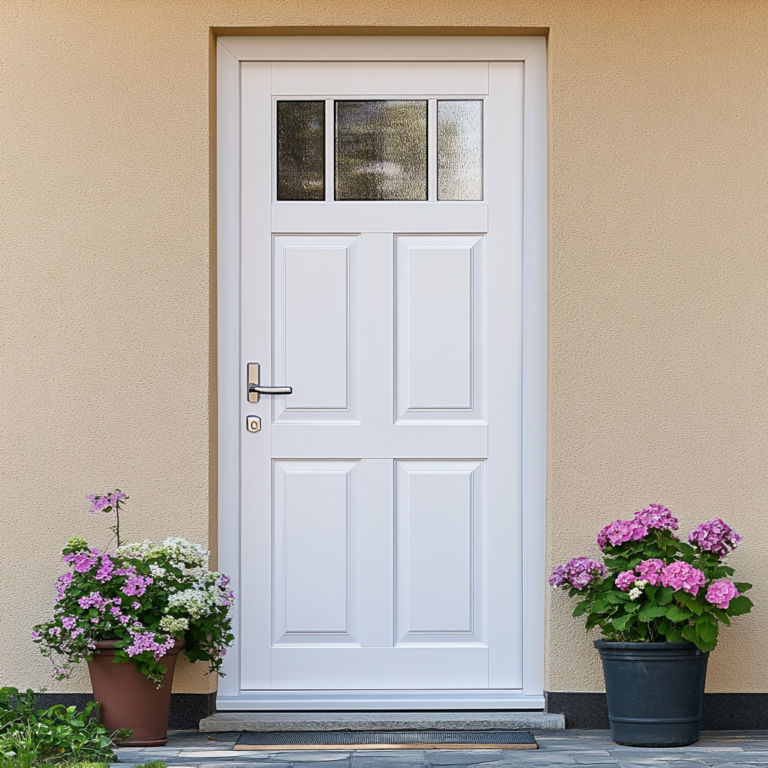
(330,165)
(432,150)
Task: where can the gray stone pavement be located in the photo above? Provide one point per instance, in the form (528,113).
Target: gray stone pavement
(720,749)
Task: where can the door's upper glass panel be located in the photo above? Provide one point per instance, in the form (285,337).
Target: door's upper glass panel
(301,150)
(381,150)
(460,150)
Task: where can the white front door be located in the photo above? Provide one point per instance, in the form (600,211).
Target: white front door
(381,547)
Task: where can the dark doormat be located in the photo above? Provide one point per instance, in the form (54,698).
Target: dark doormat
(280,740)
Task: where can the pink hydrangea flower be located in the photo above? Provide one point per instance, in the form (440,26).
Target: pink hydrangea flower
(721,592)
(577,573)
(657,516)
(620,532)
(680,575)
(68,622)
(625,580)
(715,536)
(650,571)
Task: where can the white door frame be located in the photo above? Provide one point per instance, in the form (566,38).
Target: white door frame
(532,52)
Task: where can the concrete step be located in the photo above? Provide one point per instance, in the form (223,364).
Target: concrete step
(223,722)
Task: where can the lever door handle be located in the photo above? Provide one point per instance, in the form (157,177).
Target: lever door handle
(255,388)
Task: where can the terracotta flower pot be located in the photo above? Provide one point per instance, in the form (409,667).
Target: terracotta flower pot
(129,699)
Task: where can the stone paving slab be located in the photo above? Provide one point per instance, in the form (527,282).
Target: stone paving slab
(724,749)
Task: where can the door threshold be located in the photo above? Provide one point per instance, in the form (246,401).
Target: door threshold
(381,721)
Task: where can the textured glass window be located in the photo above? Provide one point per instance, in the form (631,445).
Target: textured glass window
(301,150)
(381,150)
(460,150)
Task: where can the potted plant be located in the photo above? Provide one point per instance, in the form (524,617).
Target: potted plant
(128,613)
(659,602)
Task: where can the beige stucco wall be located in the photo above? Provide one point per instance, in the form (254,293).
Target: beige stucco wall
(658,387)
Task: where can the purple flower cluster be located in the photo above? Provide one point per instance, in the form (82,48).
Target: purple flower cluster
(145,641)
(651,571)
(625,580)
(577,573)
(82,562)
(137,585)
(657,516)
(715,536)
(620,532)
(106,570)
(721,592)
(680,575)
(61,586)
(100,503)
(228,598)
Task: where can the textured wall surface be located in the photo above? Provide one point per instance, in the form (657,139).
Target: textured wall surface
(658,280)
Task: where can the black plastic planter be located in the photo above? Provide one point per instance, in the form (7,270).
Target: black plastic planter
(655,692)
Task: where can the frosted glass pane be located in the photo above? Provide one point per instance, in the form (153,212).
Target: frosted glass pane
(381,150)
(301,150)
(460,150)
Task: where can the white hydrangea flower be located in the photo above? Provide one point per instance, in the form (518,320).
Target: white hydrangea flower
(157,571)
(173,625)
(197,603)
(185,552)
(139,549)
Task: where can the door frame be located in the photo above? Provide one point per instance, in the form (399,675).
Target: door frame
(231,51)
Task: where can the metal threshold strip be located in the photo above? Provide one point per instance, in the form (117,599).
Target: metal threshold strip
(282,740)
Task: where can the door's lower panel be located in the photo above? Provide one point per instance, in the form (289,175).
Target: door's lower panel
(382,668)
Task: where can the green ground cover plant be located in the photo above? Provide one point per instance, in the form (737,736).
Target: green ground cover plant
(59,735)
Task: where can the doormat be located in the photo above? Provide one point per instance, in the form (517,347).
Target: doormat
(280,740)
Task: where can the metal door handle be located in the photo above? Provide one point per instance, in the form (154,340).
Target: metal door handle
(255,389)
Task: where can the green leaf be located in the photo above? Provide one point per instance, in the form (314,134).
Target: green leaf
(620,623)
(677,614)
(739,605)
(722,615)
(689,633)
(664,595)
(651,612)
(742,586)
(599,606)
(676,636)
(688,601)
(686,549)
(706,631)
(632,607)
(580,608)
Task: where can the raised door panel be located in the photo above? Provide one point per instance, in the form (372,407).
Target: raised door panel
(440,558)
(316,328)
(440,329)
(316,552)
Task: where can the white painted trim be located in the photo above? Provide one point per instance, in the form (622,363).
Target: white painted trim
(495,48)
(532,51)
(534,416)
(377,700)
(228,336)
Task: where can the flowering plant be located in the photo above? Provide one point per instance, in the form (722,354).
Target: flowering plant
(653,587)
(145,597)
